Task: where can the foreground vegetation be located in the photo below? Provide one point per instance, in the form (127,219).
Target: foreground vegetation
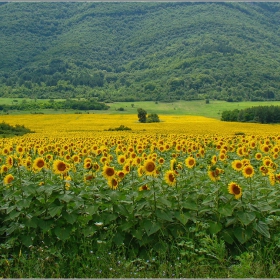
(136,203)
(140,51)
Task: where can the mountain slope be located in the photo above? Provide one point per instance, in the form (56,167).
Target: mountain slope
(140,51)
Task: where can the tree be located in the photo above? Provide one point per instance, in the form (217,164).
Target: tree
(142,115)
(152,118)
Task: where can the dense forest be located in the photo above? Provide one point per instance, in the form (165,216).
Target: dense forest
(134,51)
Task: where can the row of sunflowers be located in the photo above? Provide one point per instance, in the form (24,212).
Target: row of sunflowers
(138,189)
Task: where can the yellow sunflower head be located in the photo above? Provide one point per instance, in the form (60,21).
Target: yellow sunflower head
(190,162)
(248,171)
(8,179)
(170,178)
(38,164)
(150,167)
(235,189)
(60,167)
(108,172)
(237,165)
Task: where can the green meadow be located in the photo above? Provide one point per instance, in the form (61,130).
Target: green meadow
(196,108)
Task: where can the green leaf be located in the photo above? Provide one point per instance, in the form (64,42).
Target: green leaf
(227,235)
(164,201)
(45,225)
(54,210)
(189,204)
(182,217)
(262,228)
(246,217)
(70,218)
(88,231)
(32,223)
(108,218)
(167,216)
(126,225)
(118,238)
(12,215)
(66,197)
(225,210)
(137,233)
(151,227)
(26,240)
(242,234)
(63,233)
(92,209)
(215,227)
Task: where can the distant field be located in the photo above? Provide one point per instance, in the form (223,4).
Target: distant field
(194,108)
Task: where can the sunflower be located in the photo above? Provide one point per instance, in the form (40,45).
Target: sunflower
(214,173)
(190,162)
(170,178)
(144,188)
(88,177)
(87,164)
(214,159)
(234,188)
(248,171)
(67,183)
(237,165)
(121,174)
(108,172)
(9,161)
(173,164)
(8,179)
(258,156)
(60,167)
(150,167)
(113,182)
(272,179)
(4,169)
(38,164)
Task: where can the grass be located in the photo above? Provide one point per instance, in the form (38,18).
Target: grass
(196,108)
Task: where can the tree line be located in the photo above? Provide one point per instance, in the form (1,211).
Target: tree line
(258,114)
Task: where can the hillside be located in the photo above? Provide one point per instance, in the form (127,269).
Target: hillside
(140,51)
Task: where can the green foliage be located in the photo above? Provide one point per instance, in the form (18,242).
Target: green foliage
(152,118)
(260,114)
(142,115)
(120,128)
(7,130)
(111,58)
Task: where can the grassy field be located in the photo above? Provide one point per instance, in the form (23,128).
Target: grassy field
(196,108)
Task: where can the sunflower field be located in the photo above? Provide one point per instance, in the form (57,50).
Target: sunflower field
(174,184)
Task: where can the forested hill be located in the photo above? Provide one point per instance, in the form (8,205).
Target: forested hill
(140,51)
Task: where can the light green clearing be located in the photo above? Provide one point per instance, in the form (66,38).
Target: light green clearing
(196,108)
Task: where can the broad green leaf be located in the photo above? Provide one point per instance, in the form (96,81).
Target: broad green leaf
(12,215)
(55,210)
(126,225)
(215,227)
(242,234)
(227,235)
(108,218)
(92,209)
(32,223)
(26,240)
(118,238)
(262,228)
(88,231)
(182,217)
(164,201)
(70,218)
(45,225)
(189,204)
(151,227)
(138,233)
(66,197)
(167,216)
(246,217)
(63,233)
(225,210)
(12,228)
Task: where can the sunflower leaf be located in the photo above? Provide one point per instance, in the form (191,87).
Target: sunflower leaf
(246,218)
(262,228)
